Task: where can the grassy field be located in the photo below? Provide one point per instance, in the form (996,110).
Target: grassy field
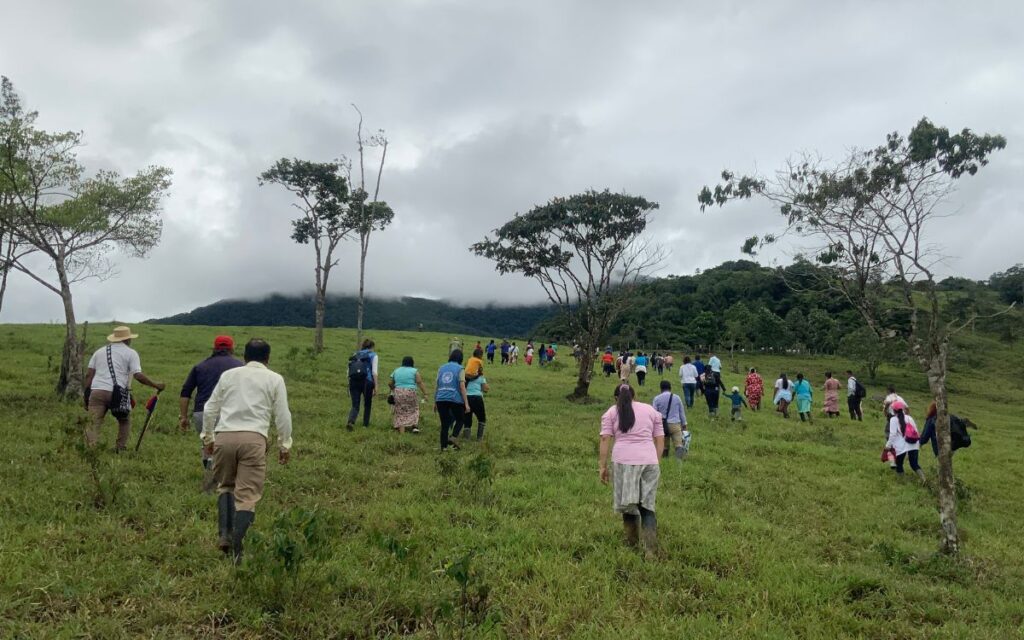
(771,529)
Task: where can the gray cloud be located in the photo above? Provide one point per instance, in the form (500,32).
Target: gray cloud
(492,108)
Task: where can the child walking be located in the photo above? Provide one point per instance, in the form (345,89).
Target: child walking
(475,390)
(737,403)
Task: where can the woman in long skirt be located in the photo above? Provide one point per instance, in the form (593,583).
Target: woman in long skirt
(754,390)
(831,396)
(783,395)
(404,381)
(802,391)
(638,436)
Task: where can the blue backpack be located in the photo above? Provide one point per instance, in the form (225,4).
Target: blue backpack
(359,368)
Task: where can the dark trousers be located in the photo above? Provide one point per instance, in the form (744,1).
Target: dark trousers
(912,456)
(853,403)
(689,389)
(504,357)
(451,415)
(476,408)
(490,357)
(711,396)
(640,376)
(362,393)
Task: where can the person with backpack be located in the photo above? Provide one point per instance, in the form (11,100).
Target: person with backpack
(958,436)
(855,394)
(362,380)
(201,380)
(711,386)
(904,439)
(638,436)
(108,384)
(450,400)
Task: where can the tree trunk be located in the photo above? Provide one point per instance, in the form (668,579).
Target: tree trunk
(586,370)
(69,384)
(364,245)
(321,311)
(950,542)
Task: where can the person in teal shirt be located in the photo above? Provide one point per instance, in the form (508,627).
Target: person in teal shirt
(406,405)
(475,390)
(803,393)
(737,404)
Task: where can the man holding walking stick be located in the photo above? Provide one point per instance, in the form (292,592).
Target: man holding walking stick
(236,425)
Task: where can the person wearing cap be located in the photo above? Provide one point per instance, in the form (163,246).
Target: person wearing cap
(904,439)
(114,364)
(201,380)
(737,405)
(236,426)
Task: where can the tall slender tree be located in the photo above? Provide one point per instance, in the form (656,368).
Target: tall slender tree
(323,202)
(587,251)
(71,218)
(368,212)
(867,219)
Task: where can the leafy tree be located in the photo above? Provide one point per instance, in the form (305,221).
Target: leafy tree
(821,331)
(323,199)
(797,323)
(703,329)
(738,321)
(867,348)
(587,253)
(1009,284)
(368,214)
(53,208)
(867,219)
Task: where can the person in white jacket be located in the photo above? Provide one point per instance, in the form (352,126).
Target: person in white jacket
(904,438)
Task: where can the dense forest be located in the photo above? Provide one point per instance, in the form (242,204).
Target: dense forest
(403,314)
(736,305)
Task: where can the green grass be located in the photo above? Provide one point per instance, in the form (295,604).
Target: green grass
(771,528)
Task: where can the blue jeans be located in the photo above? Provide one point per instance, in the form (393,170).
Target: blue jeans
(689,389)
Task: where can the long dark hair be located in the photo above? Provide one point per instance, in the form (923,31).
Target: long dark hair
(624,407)
(785,381)
(903,422)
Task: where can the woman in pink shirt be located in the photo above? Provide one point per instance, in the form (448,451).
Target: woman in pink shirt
(639,435)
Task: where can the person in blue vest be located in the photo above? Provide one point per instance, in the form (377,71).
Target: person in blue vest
(491,348)
(450,399)
(700,366)
(362,380)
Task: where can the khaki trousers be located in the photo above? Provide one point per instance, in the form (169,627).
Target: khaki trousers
(675,432)
(98,403)
(240,466)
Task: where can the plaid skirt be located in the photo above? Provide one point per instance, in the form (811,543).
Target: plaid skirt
(406,409)
(634,486)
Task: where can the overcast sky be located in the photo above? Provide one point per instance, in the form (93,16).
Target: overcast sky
(491,108)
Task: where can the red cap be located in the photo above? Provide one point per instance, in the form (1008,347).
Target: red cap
(223,342)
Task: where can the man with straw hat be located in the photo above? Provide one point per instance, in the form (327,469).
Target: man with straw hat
(113,366)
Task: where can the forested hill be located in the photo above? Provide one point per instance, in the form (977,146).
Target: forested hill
(404,314)
(736,304)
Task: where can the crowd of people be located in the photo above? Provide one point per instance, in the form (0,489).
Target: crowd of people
(231,405)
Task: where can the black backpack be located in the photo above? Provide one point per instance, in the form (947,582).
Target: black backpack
(859,390)
(359,368)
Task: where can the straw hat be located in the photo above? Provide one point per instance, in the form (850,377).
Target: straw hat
(121,334)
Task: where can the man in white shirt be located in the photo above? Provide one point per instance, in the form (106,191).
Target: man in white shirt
(852,398)
(236,425)
(688,378)
(115,364)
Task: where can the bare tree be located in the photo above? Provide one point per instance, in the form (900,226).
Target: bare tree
(72,219)
(867,220)
(323,197)
(587,251)
(368,214)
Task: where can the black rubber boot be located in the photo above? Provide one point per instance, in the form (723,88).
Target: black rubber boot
(243,520)
(225,521)
(480,430)
(631,529)
(649,533)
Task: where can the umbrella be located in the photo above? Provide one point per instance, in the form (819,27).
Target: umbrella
(150,406)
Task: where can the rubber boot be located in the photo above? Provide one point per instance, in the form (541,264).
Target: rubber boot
(680,452)
(480,430)
(920,475)
(649,536)
(631,529)
(225,521)
(243,520)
